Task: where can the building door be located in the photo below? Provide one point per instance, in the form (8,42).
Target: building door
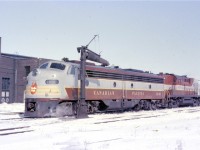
(5,94)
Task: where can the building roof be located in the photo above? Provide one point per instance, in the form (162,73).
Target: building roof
(15,56)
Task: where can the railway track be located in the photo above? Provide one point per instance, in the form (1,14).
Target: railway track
(127,119)
(15,130)
(151,114)
(39,122)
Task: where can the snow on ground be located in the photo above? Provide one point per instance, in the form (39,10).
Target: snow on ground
(169,129)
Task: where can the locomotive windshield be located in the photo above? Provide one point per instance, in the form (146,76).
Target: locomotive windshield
(57,66)
(53,65)
(44,66)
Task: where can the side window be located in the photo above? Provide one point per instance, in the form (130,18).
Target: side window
(72,70)
(150,86)
(5,83)
(131,85)
(114,84)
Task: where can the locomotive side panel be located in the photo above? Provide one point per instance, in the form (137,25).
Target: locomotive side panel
(102,89)
(144,90)
(106,90)
(180,85)
(128,85)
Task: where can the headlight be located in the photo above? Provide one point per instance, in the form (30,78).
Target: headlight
(51,81)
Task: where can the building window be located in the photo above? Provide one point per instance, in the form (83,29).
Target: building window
(5,90)
(5,83)
(27,70)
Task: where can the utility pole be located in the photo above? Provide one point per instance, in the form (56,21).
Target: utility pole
(86,54)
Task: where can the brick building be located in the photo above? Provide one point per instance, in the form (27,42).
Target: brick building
(13,72)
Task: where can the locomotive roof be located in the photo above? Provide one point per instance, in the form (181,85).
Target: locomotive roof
(122,71)
(178,76)
(90,66)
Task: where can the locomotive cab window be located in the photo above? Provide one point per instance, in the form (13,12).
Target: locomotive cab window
(72,70)
(58,66)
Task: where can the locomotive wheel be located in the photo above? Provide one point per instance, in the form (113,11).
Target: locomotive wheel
(147,105)
(137,107)
(153,106)
(91,109)
(173,104)
(195,103)
(170,105)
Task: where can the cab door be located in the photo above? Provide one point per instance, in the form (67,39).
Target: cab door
(72,83)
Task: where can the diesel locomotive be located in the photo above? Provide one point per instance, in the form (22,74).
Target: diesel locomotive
(53,89)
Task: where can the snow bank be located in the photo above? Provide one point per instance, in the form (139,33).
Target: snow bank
(176,129)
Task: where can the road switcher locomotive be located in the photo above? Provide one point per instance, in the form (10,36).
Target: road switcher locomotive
(53,89)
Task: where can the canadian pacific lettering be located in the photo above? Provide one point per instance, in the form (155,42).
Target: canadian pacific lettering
(104,93)
(137,93)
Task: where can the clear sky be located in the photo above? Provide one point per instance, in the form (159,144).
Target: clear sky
(151,36)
